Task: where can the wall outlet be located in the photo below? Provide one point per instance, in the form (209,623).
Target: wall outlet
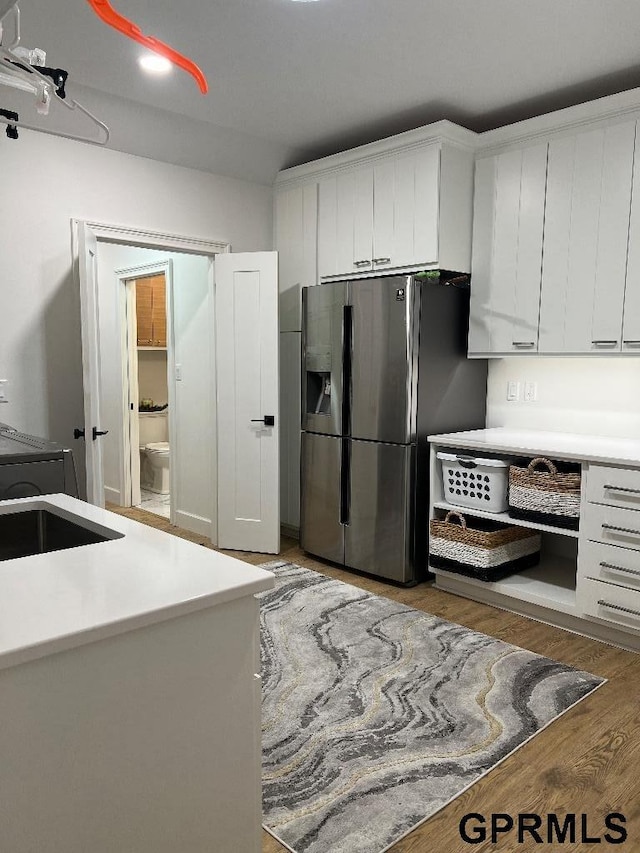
(513,390)
(3,391)
(530,392)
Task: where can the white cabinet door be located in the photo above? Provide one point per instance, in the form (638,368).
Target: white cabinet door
(296,213)
(507,251)
(416,207)
(631,316)
(362,221)
(346,201)
(384,193)
(585,240)
(418,193)
(327,222)
(339,198)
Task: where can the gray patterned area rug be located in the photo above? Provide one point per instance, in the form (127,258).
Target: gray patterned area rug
(376,715)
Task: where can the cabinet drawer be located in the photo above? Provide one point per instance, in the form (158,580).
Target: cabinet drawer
(614,486)
(607,601)
(609,563)
(611,525)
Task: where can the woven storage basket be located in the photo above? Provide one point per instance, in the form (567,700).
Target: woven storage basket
(548,497)
(488,552)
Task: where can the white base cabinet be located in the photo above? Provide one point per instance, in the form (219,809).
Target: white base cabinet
(588,580)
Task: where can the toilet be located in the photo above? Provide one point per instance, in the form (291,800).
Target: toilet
(154,452)
(154,473)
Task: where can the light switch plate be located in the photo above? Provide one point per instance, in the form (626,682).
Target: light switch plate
(513,390)
(178,373)
(3,391)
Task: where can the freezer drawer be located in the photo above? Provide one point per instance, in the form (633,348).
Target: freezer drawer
(323,312)
(320,530)
(378,534)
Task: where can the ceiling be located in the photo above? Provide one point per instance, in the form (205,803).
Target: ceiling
(291,81)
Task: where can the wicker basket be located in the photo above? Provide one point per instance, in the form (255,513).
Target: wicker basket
(548,497)
(489,551)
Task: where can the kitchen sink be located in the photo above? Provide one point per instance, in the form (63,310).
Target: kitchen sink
(38,531)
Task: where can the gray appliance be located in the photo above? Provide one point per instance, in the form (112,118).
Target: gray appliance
(31,466)
(383,365)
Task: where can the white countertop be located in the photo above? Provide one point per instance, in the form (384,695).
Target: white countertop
(559,445)
(56,601)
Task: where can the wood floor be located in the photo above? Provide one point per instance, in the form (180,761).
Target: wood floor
(587,762)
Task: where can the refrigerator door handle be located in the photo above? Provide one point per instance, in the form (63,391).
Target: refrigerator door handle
(345,472)
(347,345)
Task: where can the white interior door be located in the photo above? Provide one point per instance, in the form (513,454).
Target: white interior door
(87,260)
(246,307)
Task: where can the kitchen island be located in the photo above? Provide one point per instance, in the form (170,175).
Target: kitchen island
(129,690)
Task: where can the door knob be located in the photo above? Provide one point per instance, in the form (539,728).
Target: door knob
(97,432)
(78,433)
(267,420)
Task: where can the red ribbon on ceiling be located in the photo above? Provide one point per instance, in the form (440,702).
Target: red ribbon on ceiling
(105,11)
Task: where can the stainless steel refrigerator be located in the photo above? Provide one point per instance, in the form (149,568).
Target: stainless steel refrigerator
(383,365)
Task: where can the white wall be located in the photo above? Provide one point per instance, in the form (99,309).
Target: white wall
(47,181)
(191,444)
(152,376)
(599,396)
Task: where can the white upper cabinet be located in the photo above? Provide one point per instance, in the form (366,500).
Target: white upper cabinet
(556,247)
(296,226)
(403,210)
(631,314)
(507,251)
(585,240)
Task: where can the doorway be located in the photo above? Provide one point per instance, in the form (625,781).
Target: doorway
(148,391)
(148,398)
(226,407)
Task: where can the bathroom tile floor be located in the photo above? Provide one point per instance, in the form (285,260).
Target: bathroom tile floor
(153,502)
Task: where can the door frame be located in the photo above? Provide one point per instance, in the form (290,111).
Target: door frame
(128,235)
(129,461)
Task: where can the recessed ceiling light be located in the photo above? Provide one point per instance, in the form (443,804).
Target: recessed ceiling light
(155,64)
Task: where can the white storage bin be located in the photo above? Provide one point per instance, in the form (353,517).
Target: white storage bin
(475,482)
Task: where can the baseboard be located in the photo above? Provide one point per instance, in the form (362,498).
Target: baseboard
(112,496)
(289,530)
(194,523)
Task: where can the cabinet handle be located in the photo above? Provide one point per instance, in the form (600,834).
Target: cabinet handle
(523,344)
(382,260)
(361,263)
(613,568)
(603,603)
(605,343)
(621,529)
(622,489)
(632,343)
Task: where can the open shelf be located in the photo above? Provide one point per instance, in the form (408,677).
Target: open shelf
(552,583)
(505,518)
